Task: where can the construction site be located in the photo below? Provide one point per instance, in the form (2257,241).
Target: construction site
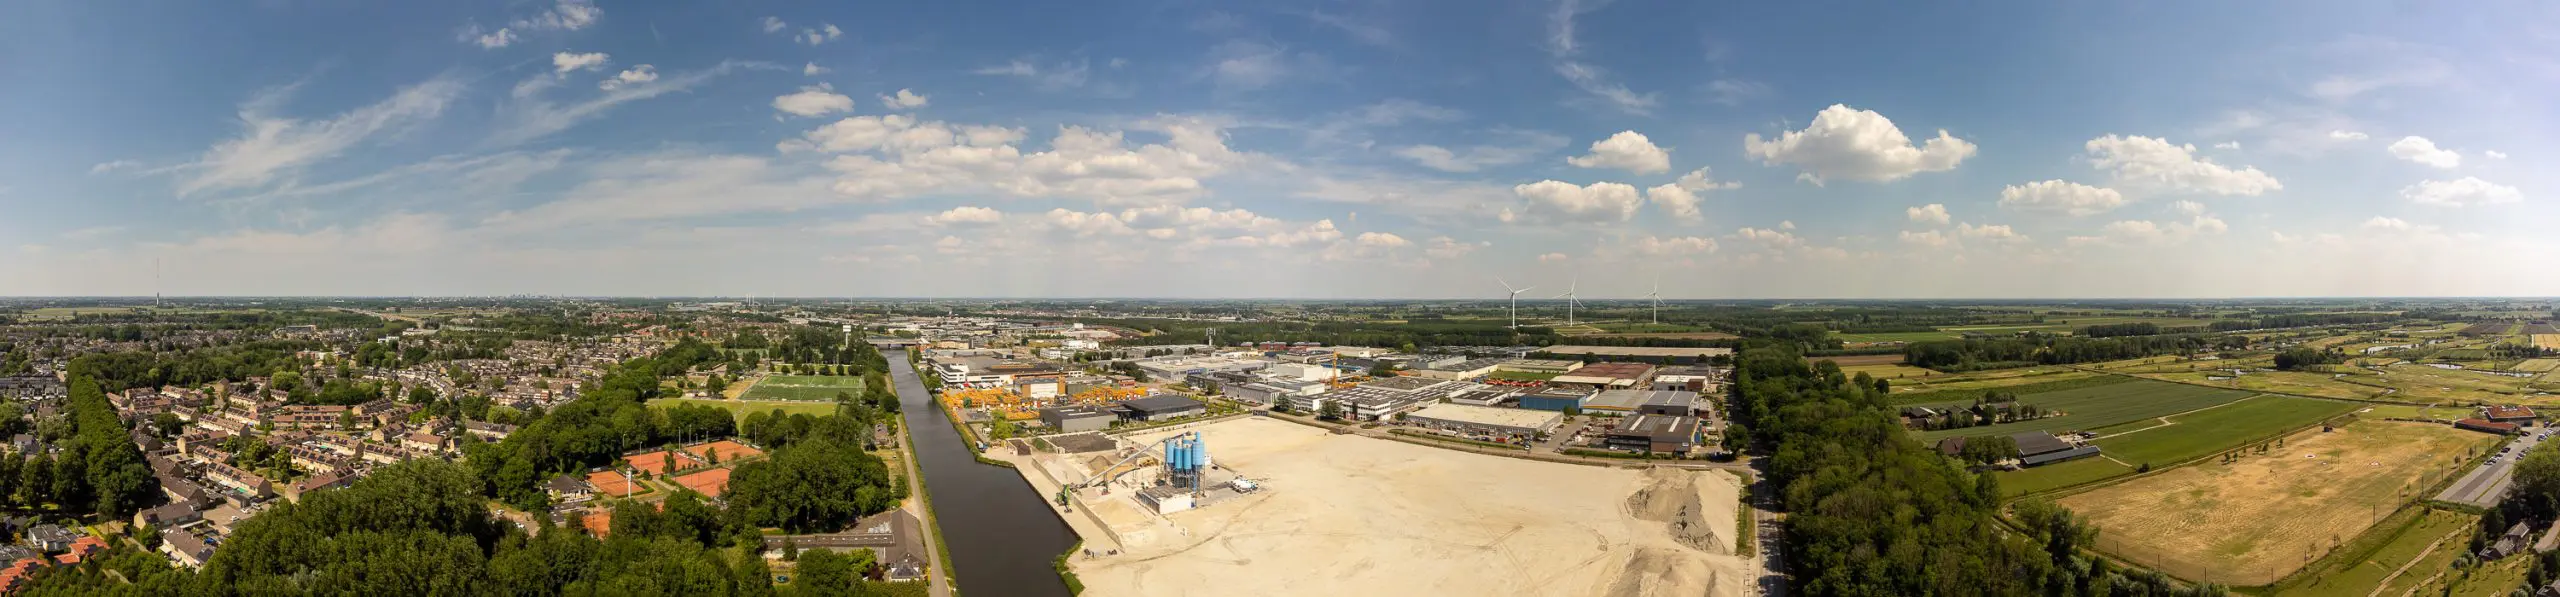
(1280,500)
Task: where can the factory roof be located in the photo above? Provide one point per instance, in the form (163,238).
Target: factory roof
(1407,384)
(1162,404)
(1658,426)
(1487,416)
(1617,400)
(1470,365)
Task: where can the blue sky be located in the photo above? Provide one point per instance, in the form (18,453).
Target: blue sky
(1280,149)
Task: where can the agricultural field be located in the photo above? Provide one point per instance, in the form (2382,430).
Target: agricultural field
(2102,405)
(2551,341)
(2267,515)
(2205,432)
(2422,383)
(2538,365)
(1895,372)
(2412,411)
(1879,337)
(2059,475)
(2300,383)
(740,408)
(820,388)
(1964,386)
(2413,544)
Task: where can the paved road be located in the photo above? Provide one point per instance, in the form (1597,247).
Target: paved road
(2486,485)
(1771,543)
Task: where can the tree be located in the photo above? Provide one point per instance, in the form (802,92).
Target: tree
(1331,411)
(1737,438)
(1001,429)
(790,549)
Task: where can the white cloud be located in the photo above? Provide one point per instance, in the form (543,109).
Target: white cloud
(568,61)
(775,25)
(632,76)
(274,145)
(1518,147)
(904,99)
(1733,92)
(490,40)
(105,167)
(1563,201)
(1679,202)
(567,15)
(1627,150)
(2187,208)
(2495,154)
(813,70)
(2420,150)
(1934,213)
(2227,145)
(1381,240)
(2057,196)
(1244,65)
(1563,48)
(819,100)
(1442,247)
(1061,76)
(898,156)
(2157,163)
(1652,246)
(1770,238)
(1554,258)
(529,116)
(825,32)
(1855,144)
(2460,192)
(966,215)
(2001,233)
(1926,238)
(2383,223)
(2342,135)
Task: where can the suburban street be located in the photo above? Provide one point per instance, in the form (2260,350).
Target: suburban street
(2486,485)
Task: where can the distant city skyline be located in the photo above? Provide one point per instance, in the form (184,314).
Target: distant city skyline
(1304,151)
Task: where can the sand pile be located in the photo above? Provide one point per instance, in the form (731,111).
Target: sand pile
(1674,498)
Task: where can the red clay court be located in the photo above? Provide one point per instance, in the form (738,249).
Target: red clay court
(655,463)
(611,483)
(710,482)
(725,449)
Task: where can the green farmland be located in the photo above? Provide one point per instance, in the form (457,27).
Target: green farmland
(803,387)
(741,408)
(2103,405)
(2200,434)
(2059,475)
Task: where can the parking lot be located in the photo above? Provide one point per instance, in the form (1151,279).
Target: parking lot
(2486,485)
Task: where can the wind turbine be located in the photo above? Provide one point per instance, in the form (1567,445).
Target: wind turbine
(1515,300)
(1570,299)
(1656,296)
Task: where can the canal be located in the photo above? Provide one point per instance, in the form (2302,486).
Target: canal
(1004,539)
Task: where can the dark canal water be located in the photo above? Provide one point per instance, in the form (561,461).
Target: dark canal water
(1002,536)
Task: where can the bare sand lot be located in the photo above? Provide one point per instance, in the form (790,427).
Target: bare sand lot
(2260,518)
(1350,515)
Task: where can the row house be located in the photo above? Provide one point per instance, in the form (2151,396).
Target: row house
(246,483)
(488,431)
(316,460)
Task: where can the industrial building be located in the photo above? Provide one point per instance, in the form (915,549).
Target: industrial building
(1654,434)
(1684,355)
(982,371)
(1485,422)
(1539,365)
(1606,376)
(1071,419)
(1554,400)
(1469,369)
(1694,378)
(1158,408)
(1300,372)
(1181,368)
(1487,396)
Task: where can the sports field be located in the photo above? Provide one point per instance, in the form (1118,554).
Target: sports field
(2405,549)
(803,387)
(2103,405)
(2265,516)
(740,408)
(2205,432)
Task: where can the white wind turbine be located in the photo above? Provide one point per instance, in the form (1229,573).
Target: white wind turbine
(1515,300)
(1571,300)
(1656,297)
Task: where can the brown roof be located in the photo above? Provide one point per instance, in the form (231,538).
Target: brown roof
(1616,370)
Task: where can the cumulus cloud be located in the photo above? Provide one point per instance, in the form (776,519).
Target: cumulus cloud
(2341,135)
(898,156)
(819,100)
(966,215)
(1442,247)
(2157,163)
(824,33)
(1627,150)
(2495,154)
(2227,145)
(2001,233)
(489,40)
(2187,208)
(2057,196)
(564,62)
(632,76)
(1844,142)
(2420,150)
(2383,223)
(903,99)
(2460,192)
(1926,238)
(812,70)
(1933,214)
(1771,238)
(775,25)
(1678,202)
(567,15)
(1653,246)
(1563,201)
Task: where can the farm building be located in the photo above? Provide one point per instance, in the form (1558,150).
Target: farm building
(1486,422)
(1158,408)
(2488,426)
(1654,434)
(2506,414)
(1606,376)
(2037,448)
